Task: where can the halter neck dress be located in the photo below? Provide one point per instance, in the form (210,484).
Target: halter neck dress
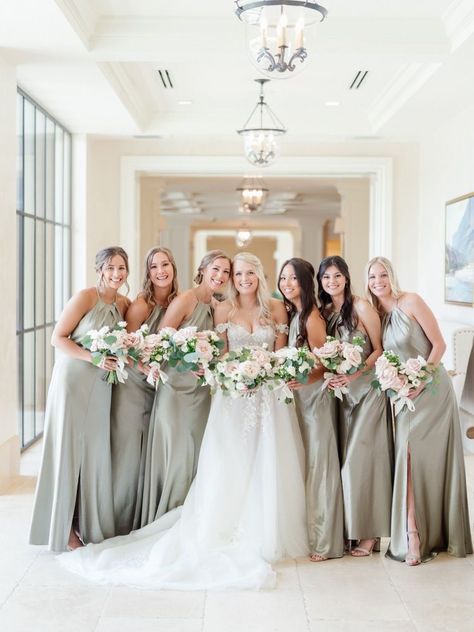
(177,423)
(366,449)
(130,418)
(316,412)
(432,434)
(76,460)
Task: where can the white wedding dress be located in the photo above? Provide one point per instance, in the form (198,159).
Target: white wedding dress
(245,508)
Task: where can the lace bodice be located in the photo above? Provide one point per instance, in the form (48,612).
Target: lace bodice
(239,336)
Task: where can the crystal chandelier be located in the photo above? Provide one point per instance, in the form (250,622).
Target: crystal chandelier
(260,131)
(276,33)
(243,237)
(253,192)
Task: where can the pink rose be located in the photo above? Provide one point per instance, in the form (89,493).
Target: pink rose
(414,365)
(328,350)
(353,356)
(388,377)
(204,349)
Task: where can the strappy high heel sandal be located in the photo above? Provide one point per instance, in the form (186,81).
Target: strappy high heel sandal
(412,559)
(361,551)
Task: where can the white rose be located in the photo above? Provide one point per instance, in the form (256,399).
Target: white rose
(249,369)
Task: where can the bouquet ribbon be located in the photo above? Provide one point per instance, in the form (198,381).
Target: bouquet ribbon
(338,392)
(400,401)
(283,392)
(161,375)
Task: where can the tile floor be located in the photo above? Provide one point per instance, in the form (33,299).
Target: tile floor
(354,595)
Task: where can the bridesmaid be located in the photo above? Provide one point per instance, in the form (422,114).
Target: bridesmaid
(316,415)
(132,401)
(365,434)
(181,407)
(73,503)
(429,509)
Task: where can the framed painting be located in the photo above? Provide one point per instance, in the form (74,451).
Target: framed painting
(459,251)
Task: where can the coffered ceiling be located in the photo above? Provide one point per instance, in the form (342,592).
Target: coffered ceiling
(95,64)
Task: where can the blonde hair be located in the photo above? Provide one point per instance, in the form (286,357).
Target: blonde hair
(392,277)
(147,285)
(263,293)
(103,257)
(207,260)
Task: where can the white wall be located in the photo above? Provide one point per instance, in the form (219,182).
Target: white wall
(9,441)
(447,172)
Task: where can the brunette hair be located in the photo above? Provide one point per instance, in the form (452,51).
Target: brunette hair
(147,285)
(207,260)
(392,277)
(348,314)
(104,256)
(304,272)
(263,293)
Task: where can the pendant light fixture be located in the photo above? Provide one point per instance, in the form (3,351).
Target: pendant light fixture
(276,33)
(260,132)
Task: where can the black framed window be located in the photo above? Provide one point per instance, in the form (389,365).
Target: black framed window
(44,254)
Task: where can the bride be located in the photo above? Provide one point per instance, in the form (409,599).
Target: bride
(246,507)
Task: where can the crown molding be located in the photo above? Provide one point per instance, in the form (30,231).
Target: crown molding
(122,82)
(406,83)
(459,22)
(82,17)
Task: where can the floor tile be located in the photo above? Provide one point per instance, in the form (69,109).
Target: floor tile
(132,602)
(115,624)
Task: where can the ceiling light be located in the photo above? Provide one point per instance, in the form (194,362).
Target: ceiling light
(253,192)
(243,237)
(260,131)
(332,104)
(184,102)
(276,33)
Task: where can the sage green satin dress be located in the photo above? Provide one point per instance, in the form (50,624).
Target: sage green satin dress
(76,460)
(366,450)
(316,412)
(130,417)
(178,419)
(466,407)
(432,434)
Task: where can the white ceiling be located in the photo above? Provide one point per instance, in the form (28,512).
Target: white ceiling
(93,64)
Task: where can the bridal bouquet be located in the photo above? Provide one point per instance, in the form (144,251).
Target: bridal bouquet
(154,350)
(292,363)
(398,378)
(241,371)
(340,358)
(194,350)
(106,342)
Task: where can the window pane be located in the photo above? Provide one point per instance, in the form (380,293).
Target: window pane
(19,154)
(19,348)
(66,264)
(40,273)
(29,273)
(49,169)
(40,165)
(19,273)
(67,178)
(49,355)
(29,164)
(58,271)
(29,386)
(49,290)
(59,178)
(40,381)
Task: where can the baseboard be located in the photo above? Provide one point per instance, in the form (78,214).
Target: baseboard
(9,462)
